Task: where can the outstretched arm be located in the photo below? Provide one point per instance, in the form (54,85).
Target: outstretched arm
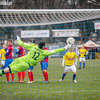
(24,45)
(51,52)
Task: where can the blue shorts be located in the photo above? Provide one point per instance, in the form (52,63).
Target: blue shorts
(31,68)
(44,65)
(7,63)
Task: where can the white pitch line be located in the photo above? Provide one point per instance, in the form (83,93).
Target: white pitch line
(43,91)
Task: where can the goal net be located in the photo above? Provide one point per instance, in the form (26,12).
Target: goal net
(45,17)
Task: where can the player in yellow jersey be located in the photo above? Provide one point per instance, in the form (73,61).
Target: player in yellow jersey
(2,55)
(69,63)
(82,54)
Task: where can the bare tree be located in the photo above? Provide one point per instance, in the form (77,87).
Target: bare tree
(55,4)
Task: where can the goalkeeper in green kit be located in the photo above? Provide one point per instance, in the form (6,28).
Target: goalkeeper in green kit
(34,56)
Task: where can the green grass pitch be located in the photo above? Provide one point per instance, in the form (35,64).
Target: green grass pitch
(87,88)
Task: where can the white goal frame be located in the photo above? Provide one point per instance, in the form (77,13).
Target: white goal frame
(34,17)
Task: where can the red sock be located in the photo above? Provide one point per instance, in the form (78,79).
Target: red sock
(29,75)
(45,75)
(19,76)
(12,76)
(23,76)
(7,77)
(32,79)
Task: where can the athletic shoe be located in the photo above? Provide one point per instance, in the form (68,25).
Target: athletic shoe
(60,80)
(32,81)
(29,82)
(74,81)
(22,81)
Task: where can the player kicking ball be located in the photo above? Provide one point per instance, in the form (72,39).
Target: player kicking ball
(69,63)
(34,56)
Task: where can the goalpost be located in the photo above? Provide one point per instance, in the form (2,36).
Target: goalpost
(22,17)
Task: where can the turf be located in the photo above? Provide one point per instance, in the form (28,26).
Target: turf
(87,88)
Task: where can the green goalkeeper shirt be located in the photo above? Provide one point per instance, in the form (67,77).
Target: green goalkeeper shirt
(36,54)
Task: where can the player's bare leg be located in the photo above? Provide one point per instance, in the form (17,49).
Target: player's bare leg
(4,71)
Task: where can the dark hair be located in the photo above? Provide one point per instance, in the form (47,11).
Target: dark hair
(41,44)
(2,44)
(10,40)
(33,41)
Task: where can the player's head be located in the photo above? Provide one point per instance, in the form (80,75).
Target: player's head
(70,49)
(3,45)
(83,47)
(33,41)
(10,42)
(30,41)
(41,45)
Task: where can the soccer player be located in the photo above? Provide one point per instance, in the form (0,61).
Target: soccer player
(44,63)
(34,56)
(21,52)
(69,63)
(2,55)
(30,72)
(82,54)
(9,60)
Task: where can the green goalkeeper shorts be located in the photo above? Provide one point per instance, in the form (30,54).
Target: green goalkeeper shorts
(19,65)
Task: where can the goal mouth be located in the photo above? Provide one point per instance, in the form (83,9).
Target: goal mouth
(35,17)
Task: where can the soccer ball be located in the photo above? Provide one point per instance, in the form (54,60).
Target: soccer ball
(70,41)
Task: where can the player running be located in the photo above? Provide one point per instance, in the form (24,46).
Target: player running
(69,63)
(34,56)
(21,52)
(82,54)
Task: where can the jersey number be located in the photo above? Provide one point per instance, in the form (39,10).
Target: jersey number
(36,55)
